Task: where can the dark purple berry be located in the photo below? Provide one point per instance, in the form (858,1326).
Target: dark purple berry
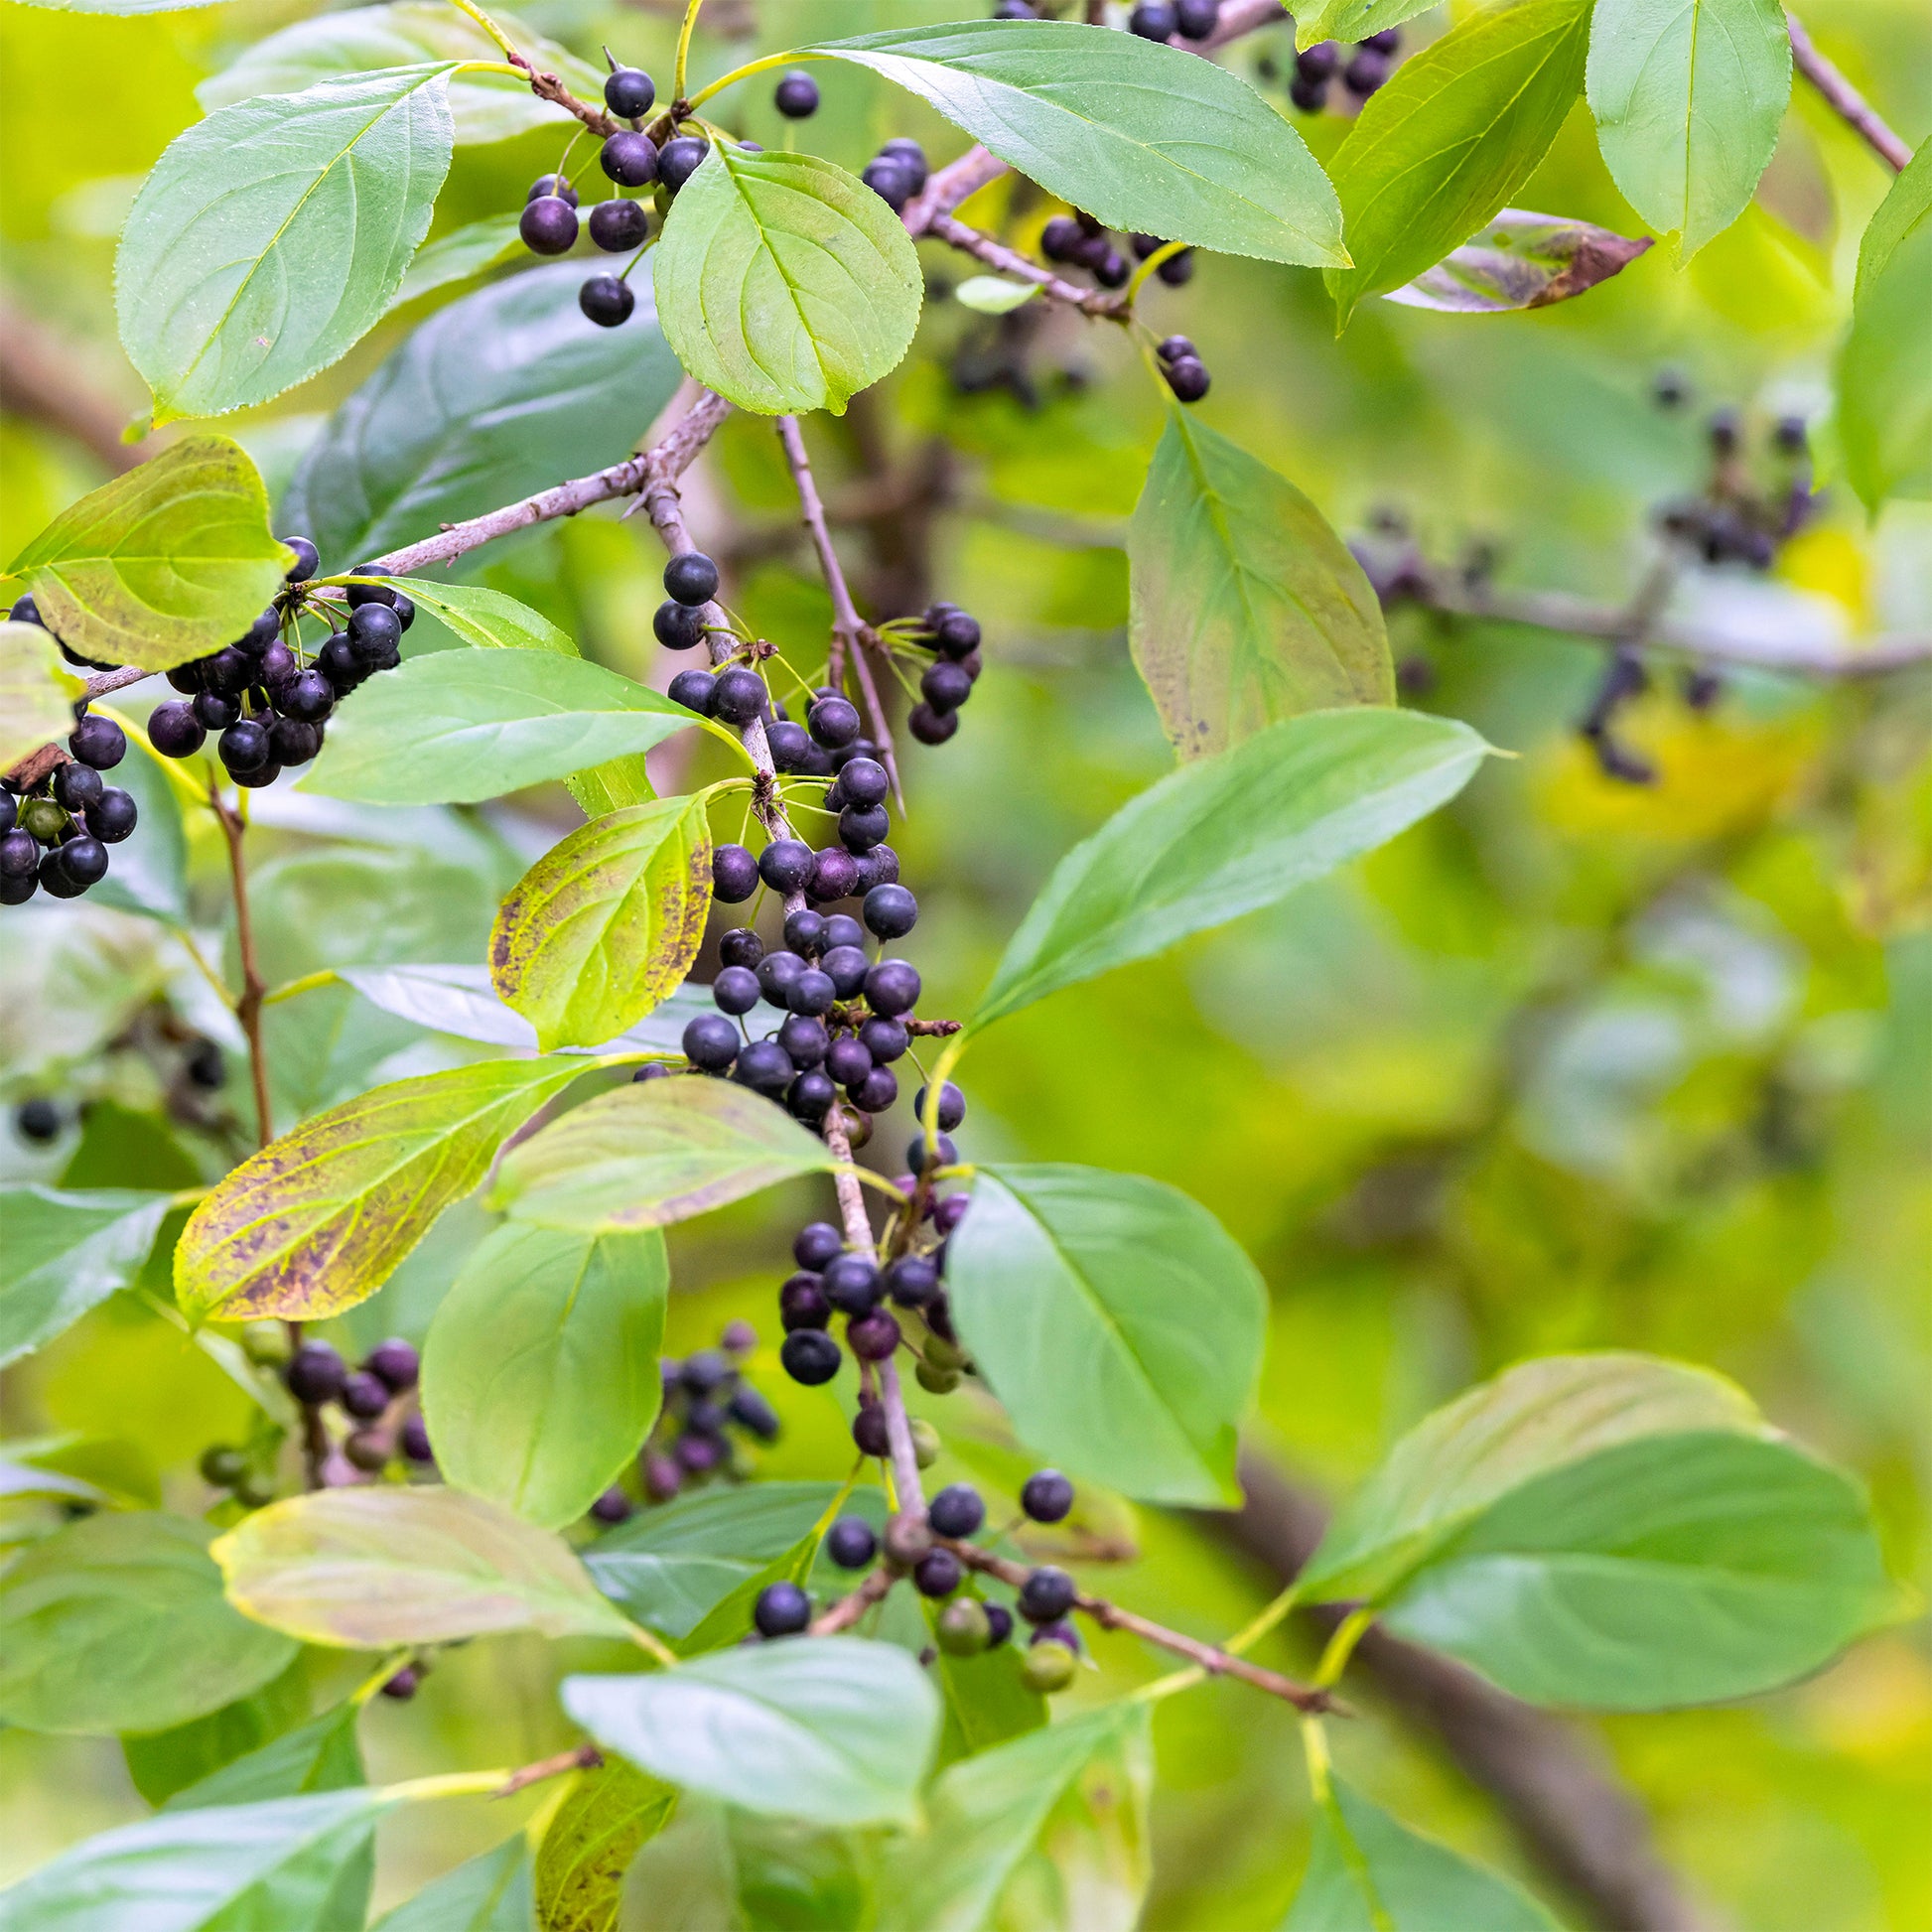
(694,690)
(374,633)
(851,1543)
(802,1303)
(396,1362)
(175,732)
(911,1280)
(1152,20)
(1046,1595)
(548,225)
(629,93)
(607,301)
(77,786)
(558,185)
(999,1622)
(851,1282)
(244,747)
(796,97)
(741,946)
(891,181)
(835,876)
(846,966)
(782,1611)
(741,695)
(806,931)
(308,560)
(691,578)
(937,1574)
(402,1685)
(291,742)
(893,987)
(314,1373)
(750,1411)
(816,1244)
(1048,1496)
(869,1431)
(790,746)
(873,1337)
(860,827)
(918,1157)
(733,873)
(885,1039)
(111,817)
(710,1042)
(99,742)
(83,859)
(1366,73)
(945,686)
(890,911)
(680,159)
(214,711)
(785,865)
(931,726)
(614,1506)
(848,1063)
(876,1093)
(810,1356)
(630,158)
(415,1440)
(777,972)
(338,663)
(1188,379)
(952,1107)
(618,225)
(20,854)
(365,1396)
(809,1097)
(735,990)
(766,1067)
(956,1511)
(1178,270)
(833,722)
(811,994)
(1194,20)
(308,699)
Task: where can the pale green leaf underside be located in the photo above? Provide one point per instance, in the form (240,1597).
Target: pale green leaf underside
(460,726)
(167,563)
(61,1253)
(783,282)
(647,1154)
(1246,607)
(37,692)
(272,236)
(1884,370)
(371,1568)
(1146,137)
(1117,1321)
(540,1372)
(1226,835)
(1689,95)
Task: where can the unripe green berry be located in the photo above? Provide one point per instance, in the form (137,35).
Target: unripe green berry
(1048,1667)
(940,1381)
(925,1443)
(943,1353)
(256,1491)
(964,1627)
(266,1343)
(224,1466)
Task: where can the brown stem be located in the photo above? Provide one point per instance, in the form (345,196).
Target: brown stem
(586,1757)
(849,1609)
(1010,261)
(1110,1617)
(1844,99)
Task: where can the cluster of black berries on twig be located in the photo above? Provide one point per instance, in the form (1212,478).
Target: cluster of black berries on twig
(943,643)
(56,831)
(1181,368)
(1751,503)
(373,1398)
(1151,20)
(267,696)
(1080,241)
(1359,70)
(897,173)
(707,1405)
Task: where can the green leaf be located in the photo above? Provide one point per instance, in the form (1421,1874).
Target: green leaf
(362,40)
(606,1816)
(317,1220)
(1352,21)
(460,256)
(488,617)
(271,237)
(1118,1323)
(1020,1833)
(1457,130)
(1246,607)
(288,1863)
(1226,835)
(37,692)
(456,727)
(500,394)
(368,1569)
(1689,95)
(150,873)
(993,295)
(834,1730)
(1519,261)
(164,1762)
(1144,137)
(118,1622)
(607,922)
(986,1701)
(671,1568)
(491,1892)
(1884,370)
(540,1372)
(719,1869)
(321,1755)
(1610,1532)
(62,1254)
(1369,1872)
(647,1154)
(783,282)
(167,563)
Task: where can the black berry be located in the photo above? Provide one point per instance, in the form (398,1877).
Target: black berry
(741,946)
(766,1067)
(375,632)
(396,1363)
(691,578)
(804,1039)
(175,732)
(852,1284)
(680,159)
(893,987)
(366,1395)
(805,930)
(677,626)
(314,1373)
(1048,1496)
(111,817)
(802,1303)
(885,1039)
(630,159)
(931,726)
(308,699)
(776,971)
(785,865)
(835,876)
(869,1432)
(36,1119)
(790,746)
(810,1356)
(833,720)
(607,301)
(695,690)
(77,786)
(876,1093)
(741,694)
(937,1574)
(846,966)
(891,181)
(735,990)
(851,1543)
(710,1042)
(1194,20)
(245,745)
(99,742)
(946,685)
(847,1061)
(548,225)
(812,993)
(308,560)
(782,1611)
(1188,378)
(911,1280)
(816,1244)
(557,185)
(890,911)
(733,873)
(1046,1595)
(860,827)
(809,1097)
(292,743)
(1152,20)
(618,225)
(796,97)
(629,93)
(956,1511)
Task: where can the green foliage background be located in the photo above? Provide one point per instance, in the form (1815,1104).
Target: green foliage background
(1571,1065)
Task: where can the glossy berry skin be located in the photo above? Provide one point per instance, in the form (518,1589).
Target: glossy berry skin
(77,786)
(918,1158)
(956,1511)
(796,97)
(20,854)
(691,578)
(835,876)
(909,156)
(876,1093)
(99,742)
(1046,1595)
(785,865)
(1194,20)
(735,990)
(374,633)
(741,695)
(911,1280)
(860,827)
(790,746)
(810,1356)
(869,1432)
(395,1362)
(802,1303)
(777,972)
(741,946)
(733,873)
(931,726)
(885,1039)
(1171,349)
(864,781)
(809,1097)
(618,225)
(607,301)
(847,1061)
(548,225)
(308,699)
(244,746)
(956,634)
(851,1543)
(308,560)
(677,626)
(945,686)
(314,1373)
(952,1107)
(175,732)
(629,93)
(630,158)
(851,1282)
(816,1244)
(338,663)
(111,817)
(890,181)
(83,860)
(695,690)
(1188,379)
(1048,1496)
(804,931)
(893,987)
(765,1066)
(890,911)
(833,722)
(680,159)
(782,1611)
(710,1042)
(873,1337)
(937,1574)
(811,994)
(292,743)
(364,1395)
(557,185)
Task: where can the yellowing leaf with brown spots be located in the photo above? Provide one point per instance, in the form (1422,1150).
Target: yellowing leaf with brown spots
(606,923)
(604,1818)
(318,1221)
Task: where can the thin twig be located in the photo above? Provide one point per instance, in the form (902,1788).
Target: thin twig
(849,1609)
(1844,99)
(969,240)
(586,1757)
(1110,1617)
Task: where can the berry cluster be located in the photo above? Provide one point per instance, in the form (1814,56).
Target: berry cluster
(1361,70)
(953,637)
(370,1396)
(1078,240)
(54,834)
(1161,20)
(1180,365)
(1745,513)
(265,696)
(897,173)
(705,1400)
